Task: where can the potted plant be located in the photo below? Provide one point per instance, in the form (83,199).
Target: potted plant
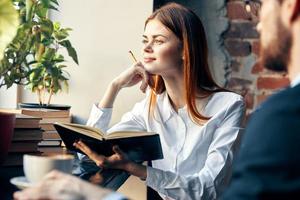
(8,28)
(34,58)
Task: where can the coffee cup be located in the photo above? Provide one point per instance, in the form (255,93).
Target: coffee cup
(36,166)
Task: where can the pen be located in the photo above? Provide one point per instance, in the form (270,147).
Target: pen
(135,60)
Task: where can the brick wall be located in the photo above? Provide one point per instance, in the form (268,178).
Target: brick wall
(247,76)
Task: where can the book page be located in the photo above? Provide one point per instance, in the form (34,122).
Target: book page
(126,134)
(83,129)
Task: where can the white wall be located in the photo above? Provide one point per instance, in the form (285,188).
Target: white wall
(8,97)
(103,32)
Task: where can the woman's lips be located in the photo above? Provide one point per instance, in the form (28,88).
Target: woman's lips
(148,60)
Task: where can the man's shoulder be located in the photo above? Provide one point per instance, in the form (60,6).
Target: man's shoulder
(285,99)
(277,114)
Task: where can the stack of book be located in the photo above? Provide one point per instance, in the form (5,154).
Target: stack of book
(27,135)
(48,118)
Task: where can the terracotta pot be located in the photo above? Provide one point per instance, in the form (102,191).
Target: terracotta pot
(7,124)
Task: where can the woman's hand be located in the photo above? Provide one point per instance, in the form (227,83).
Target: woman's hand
(60,186)
(132,76)
(119,160)
(128,78)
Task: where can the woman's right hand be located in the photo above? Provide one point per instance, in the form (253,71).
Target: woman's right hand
(132,76)
(128,78)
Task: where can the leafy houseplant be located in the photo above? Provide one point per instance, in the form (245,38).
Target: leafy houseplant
(34,58)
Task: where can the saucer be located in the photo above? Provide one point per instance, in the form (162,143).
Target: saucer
(20,182)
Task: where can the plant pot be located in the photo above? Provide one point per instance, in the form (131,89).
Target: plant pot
(48,106)
(7,124)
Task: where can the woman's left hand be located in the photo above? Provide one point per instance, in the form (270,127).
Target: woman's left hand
(119,160)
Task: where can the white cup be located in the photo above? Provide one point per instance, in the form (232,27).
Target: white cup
(36,167)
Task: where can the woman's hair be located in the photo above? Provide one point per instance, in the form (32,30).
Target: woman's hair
(186,25)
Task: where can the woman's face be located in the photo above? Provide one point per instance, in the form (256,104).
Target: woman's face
(162,51)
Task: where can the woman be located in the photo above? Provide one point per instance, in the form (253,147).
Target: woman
(198,122)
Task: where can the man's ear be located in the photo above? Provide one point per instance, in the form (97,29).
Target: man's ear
(296,10)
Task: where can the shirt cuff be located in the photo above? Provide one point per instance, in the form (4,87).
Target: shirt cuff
(114,196)
(154,177)
(96,114)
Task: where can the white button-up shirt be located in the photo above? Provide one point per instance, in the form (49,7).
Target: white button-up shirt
(197,158)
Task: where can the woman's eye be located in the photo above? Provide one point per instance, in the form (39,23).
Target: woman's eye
(144,41)
(158,41)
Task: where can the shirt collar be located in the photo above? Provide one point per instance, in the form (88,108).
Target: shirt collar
(165,107)
(295,81)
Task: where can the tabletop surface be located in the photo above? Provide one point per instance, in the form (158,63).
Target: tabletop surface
(88,171)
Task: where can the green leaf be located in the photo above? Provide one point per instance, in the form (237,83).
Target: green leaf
(56,26)
(62,66)
(53,71)
(49,54)
(47,41)
(68,29)
(47,27)
(53,8)
(55,2)
(71,51)
(8,24)
(29,10)
(41,11)
(35,75)
(8,82)
(61,34)
(17,75)
(45,3)
(58,58)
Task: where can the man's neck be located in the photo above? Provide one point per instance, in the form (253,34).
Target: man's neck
(294,65)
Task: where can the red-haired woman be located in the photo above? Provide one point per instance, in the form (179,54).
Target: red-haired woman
(198,121)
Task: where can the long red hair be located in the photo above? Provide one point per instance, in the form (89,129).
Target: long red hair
(199,83)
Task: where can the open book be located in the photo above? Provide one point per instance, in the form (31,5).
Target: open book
(139,146)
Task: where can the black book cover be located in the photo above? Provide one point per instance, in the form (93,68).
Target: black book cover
(140,148)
